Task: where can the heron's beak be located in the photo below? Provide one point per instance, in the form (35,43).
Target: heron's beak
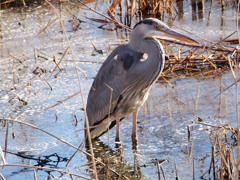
(171,34)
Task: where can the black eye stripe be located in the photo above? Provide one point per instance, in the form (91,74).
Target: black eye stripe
(146,21)
(151,22)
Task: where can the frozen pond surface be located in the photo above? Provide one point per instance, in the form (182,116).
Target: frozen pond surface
(33,91)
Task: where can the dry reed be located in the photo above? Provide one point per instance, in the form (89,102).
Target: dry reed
(224,162)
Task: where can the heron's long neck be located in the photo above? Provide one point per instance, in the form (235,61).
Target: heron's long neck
(152,47)
(153,65)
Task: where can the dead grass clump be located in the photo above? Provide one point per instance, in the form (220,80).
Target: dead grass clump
(225,158)
(142,8)
(18,3)
(202,60)
(156,8)
(224,161)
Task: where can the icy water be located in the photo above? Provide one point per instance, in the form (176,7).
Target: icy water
(33,89)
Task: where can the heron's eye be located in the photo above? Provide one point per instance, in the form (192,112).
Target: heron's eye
(159,28)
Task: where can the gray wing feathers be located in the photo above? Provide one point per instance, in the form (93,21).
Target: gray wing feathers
(107,86)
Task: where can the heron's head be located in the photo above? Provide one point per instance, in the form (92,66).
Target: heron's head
(152,27)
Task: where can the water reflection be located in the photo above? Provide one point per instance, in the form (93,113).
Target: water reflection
(197,9)
(114,166)
(180,7)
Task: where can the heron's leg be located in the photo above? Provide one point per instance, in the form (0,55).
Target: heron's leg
(134,129)
(117,131)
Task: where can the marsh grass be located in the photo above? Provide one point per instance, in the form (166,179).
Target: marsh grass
(224,158)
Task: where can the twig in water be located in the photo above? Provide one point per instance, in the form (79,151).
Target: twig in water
(213,162)
(2,156)
(189,133)
(57,63)
(2,177)
(193,169)
(6,137)
(162,172)
(62,101)
(226,88)
(158,170)
(34,174)
(162,76)
(47,82)
(48,24)
(176,170)
(79,147)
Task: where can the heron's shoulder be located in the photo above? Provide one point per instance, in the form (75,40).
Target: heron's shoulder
(127,56)
(119,50)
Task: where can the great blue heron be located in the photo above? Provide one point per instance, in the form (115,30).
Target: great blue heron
(123,82)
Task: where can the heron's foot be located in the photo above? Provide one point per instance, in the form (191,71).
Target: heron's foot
(134,141)
(117,139)
(118,142)
(134,138)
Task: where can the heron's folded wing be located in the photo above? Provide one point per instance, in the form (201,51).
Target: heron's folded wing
(107,87)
